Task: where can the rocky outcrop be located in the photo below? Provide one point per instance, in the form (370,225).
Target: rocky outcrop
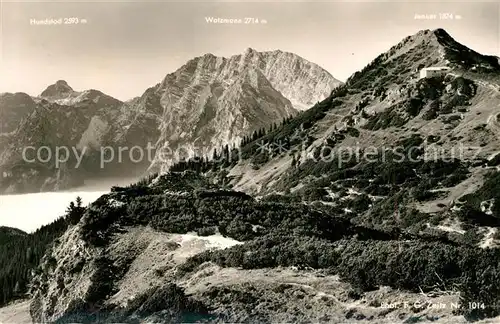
(63,277)
(302,82)
(13,108)
(43,152)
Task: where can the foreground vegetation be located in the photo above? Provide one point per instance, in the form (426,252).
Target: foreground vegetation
(277,233)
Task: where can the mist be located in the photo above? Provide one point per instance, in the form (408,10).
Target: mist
(28,212)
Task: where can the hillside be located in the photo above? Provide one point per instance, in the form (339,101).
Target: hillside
(388,138)
(206,104)
(13,107)
(181,248)
(361,208)
(20,253)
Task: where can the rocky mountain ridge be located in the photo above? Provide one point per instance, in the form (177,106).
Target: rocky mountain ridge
(14,107)
(289,233)
(287,73)
(58,90)
(206,104)
(386,102)
(227,90)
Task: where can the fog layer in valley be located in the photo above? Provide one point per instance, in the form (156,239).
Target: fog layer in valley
(29,212)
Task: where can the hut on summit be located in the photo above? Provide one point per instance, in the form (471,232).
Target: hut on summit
(429,72)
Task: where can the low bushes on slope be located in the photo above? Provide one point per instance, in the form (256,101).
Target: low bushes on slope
(391,117)
(490,191)
(311,236)
(234,216)
(412,265)
(428,92)
(167,303)
(164,304)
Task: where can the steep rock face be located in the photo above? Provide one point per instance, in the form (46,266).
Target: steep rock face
(65,124)
(216,112)
(70,265)
(302,82)
(14,107)
(58,90)
(212,101)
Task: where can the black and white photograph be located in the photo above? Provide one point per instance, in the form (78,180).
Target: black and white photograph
(255,161)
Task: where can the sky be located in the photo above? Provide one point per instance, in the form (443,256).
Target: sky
(29,212)
(122,48)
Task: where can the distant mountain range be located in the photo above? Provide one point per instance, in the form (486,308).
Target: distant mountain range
(207,103)
(379,203)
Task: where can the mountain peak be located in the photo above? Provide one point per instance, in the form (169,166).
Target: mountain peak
(463,57)
(440,31)
(430,33)
(250,50)
(444,38)
(62,83)
(59,88)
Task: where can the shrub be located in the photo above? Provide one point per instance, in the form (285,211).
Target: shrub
(433,139)
(207,231)
(489,190)
(351,131)
(388,118)
(413,106)
(432,111)
(480,127)
(172,299)
(454,179)
(360,203)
